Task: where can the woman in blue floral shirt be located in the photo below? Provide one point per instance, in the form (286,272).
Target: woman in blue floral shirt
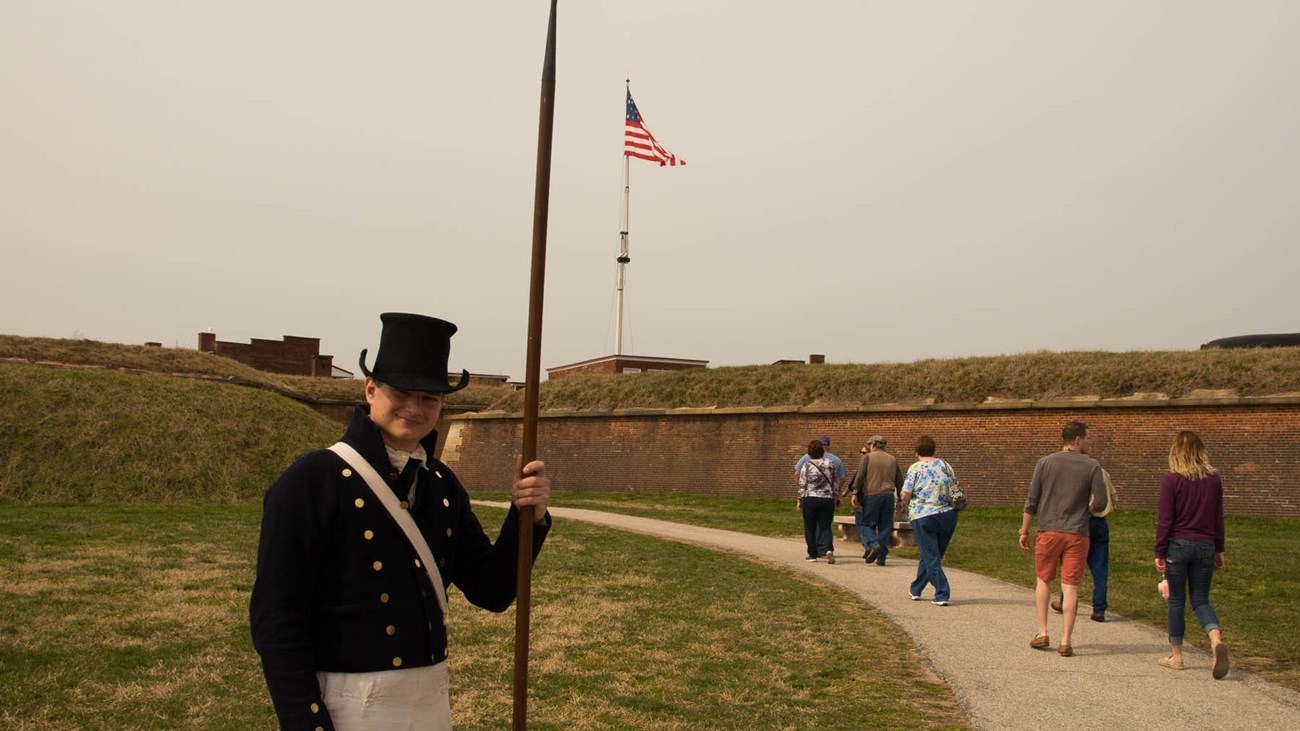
(926,498)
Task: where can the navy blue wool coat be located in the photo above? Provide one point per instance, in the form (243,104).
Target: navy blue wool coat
(340,588)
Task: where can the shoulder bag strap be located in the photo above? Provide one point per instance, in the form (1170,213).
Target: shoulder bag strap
(829,482)
(403,518)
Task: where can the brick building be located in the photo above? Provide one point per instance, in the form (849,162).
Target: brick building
(292,355)
(610,364)
(485,379)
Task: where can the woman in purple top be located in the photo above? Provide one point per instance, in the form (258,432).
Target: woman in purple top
(1189,544)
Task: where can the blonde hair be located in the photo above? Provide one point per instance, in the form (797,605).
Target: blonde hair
(1188,457)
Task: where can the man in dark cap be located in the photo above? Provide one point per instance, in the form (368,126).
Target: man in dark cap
(874,489)
(826,445)
(359,544)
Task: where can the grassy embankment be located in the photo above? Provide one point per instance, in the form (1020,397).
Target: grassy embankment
(957,380)
(105,437)
(91,354)
(1042,375)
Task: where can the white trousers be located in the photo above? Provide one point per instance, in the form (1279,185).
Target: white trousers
(415,699)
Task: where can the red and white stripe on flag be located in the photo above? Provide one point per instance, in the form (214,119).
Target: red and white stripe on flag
(639,143)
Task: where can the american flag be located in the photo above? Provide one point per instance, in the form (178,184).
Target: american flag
(639,143)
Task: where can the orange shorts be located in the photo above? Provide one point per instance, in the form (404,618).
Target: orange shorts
(1067,549)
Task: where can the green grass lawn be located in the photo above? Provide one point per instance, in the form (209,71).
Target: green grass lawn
(1252,595)
(135,617)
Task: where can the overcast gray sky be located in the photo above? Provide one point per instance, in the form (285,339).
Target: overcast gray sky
(875,181)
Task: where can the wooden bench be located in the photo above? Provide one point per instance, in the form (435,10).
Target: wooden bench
(900,538)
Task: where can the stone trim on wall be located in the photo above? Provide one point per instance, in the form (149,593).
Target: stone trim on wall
(1076,402)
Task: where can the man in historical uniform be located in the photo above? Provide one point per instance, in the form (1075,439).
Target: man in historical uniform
(359,543)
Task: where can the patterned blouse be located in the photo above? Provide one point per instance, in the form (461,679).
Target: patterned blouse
(817,478)
(928,482)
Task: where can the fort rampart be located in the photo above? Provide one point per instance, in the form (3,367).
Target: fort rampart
(1253,441)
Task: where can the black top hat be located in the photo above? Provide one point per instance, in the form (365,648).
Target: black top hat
(413,353)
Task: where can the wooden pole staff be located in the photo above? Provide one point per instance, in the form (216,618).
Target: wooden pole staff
(541,211)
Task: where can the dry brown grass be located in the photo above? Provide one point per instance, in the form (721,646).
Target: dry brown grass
(1041,376)
(136,618)
(145,604)
(632,602)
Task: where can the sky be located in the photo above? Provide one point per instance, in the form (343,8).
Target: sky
(872,181)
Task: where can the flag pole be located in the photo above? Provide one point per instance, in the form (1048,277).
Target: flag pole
(623,257)
(532,376)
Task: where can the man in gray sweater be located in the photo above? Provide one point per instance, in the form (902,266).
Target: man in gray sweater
(1059,494)
(874,489)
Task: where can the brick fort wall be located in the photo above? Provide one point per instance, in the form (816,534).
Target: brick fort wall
(1254,442)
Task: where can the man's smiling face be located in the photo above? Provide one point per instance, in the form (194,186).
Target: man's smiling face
(403,417)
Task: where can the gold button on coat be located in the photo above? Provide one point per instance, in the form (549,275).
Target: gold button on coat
(383,598)
(417,563)
(347,472)
(369,535)
(379,565)
(446,503)
(359,503)
(397,662)
(315,708)
(406,505)
(391,630)
(449,532)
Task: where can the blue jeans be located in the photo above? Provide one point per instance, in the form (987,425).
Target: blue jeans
(875,519)
(1189,566)
(1098,561)
(818,512)
(932,534)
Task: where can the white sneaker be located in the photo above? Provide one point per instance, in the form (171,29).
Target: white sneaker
(915,598)
(938,603)
(830,557)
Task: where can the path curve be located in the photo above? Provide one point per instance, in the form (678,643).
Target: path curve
(979,645)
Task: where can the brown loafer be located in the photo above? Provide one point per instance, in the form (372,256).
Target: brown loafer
(1041,642)
(1098,617)
(1056,606)
(1065,650)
